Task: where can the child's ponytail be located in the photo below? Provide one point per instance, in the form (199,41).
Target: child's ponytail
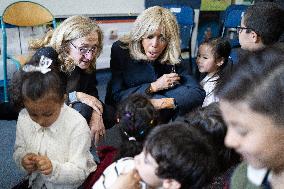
(137,117)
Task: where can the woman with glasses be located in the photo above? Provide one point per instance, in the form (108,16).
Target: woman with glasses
(79,40)
(147,61)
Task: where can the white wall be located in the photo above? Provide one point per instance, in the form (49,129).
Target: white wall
(63,8)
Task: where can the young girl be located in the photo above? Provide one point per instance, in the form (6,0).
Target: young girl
(212,59)
(136,117)
(52,140)
(252,104)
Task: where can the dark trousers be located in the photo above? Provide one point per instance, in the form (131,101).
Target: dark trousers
(7,112)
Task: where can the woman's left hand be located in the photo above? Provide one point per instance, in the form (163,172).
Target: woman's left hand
(163,103)
(97,127)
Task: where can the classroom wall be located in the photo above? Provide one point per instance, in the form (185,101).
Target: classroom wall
(63,8)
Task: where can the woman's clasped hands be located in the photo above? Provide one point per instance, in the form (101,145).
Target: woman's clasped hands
(166,81)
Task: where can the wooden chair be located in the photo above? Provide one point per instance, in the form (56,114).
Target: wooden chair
(21,14)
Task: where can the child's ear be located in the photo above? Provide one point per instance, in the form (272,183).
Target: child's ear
(220,62)
(65,97)
(171,184)
(255,38)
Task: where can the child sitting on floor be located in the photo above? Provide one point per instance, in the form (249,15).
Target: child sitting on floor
(174,156)
(136,116)
(209,120)
(213,59)
(252,104)
(52,140)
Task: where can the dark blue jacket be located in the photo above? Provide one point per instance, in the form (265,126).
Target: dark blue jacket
(131,76)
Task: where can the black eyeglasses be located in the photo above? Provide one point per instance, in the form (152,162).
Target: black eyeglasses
(240,29)
(85,50)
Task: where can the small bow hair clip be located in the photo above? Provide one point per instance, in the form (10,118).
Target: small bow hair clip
(43,66)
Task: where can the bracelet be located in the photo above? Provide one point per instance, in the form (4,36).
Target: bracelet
(148,90)
(72,97)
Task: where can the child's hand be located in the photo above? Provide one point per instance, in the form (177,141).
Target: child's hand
(43,164)
(28,162)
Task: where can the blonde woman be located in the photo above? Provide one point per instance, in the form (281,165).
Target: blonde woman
(78,41)
(147,61)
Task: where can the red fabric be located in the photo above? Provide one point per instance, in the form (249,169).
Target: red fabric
(106,155)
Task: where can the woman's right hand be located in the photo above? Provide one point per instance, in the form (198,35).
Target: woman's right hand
(97,127)
(165,81)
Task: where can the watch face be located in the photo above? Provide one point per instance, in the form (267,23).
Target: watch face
(72,97)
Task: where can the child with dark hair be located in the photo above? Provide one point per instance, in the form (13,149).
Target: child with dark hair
(52,140)
(252,105)
(261,26)
(210,122)
(213,60)
(136,116)
(174,156)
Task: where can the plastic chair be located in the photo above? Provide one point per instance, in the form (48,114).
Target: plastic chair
(232,19)
(21,14)
(185,18)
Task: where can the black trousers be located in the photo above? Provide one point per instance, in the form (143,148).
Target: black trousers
(7,112)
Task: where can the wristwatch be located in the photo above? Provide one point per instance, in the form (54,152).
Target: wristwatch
(175,104)
(72,97)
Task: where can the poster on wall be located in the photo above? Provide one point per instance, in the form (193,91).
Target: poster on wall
(243,2)
(113,30)
(214,5)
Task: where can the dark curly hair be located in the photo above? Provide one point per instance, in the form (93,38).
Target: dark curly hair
(210,122)
(137,116)
(35,85)
(182,153)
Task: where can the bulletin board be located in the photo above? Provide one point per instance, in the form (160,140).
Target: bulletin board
(113,29)
(214,5)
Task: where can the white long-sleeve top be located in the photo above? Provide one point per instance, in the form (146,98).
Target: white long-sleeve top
(112,172)
(208,84)
(66,143)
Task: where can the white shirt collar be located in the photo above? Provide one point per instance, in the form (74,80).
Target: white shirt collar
(54,126)
(256,176)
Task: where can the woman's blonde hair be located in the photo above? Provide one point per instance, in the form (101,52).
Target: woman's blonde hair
(72,28)
(147,23)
